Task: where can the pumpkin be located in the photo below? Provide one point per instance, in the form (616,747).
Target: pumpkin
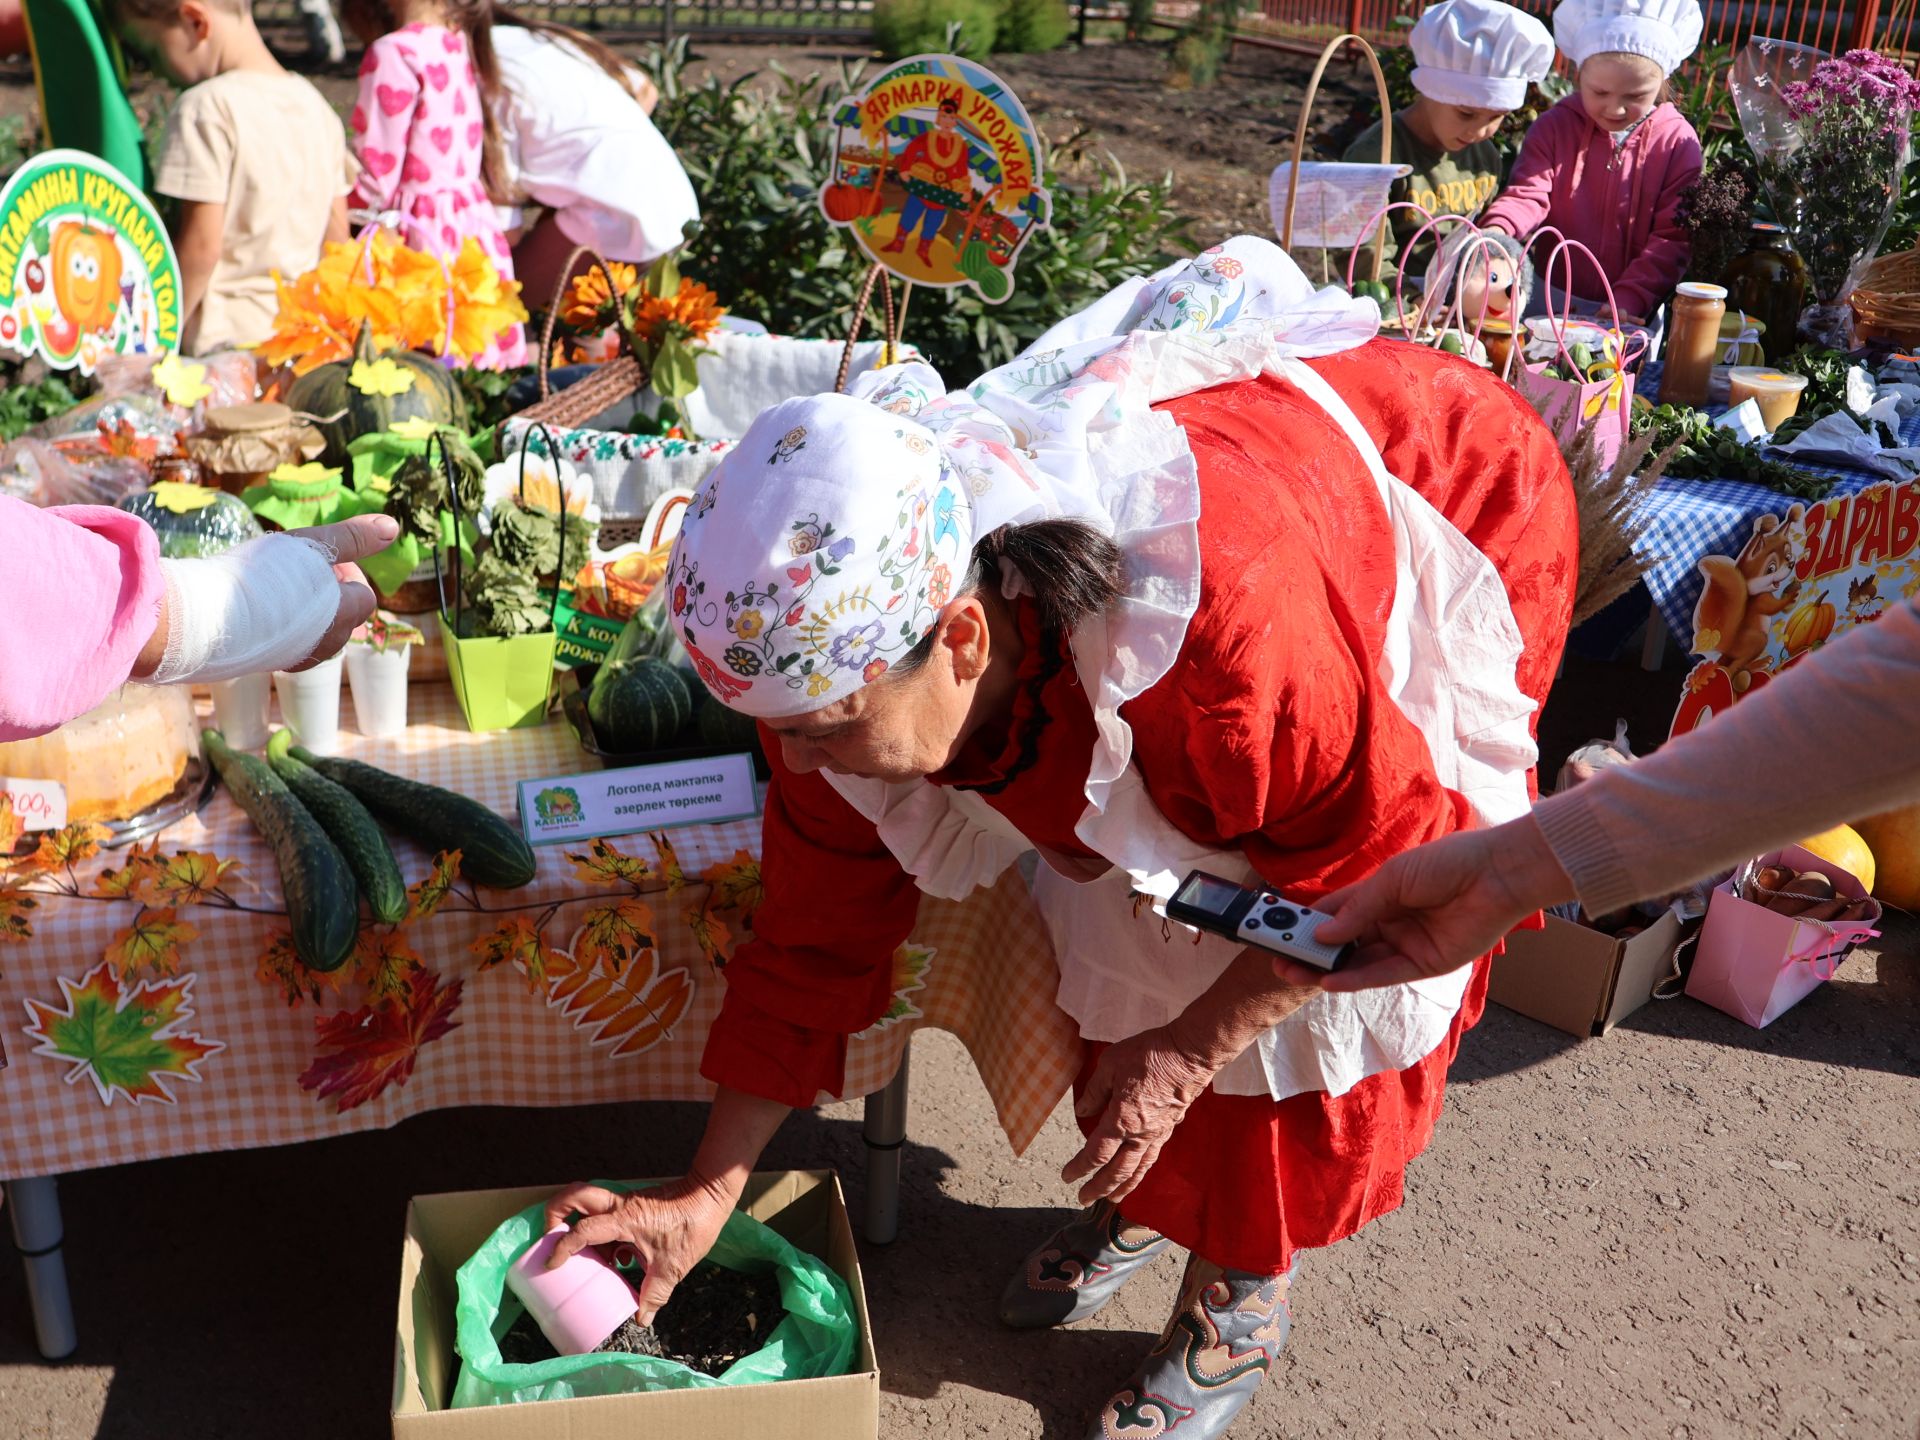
(844,203)
(86,277)
(192,520)
(371,392)
(1810,625)
(1843,846)
(1895,840)
(638,706)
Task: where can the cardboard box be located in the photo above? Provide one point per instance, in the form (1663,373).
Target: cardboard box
(1580,980)
(805,1206)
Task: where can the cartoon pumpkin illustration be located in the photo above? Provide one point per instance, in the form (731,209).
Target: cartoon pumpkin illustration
(86,277)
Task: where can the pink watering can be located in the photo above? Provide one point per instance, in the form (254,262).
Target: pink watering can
(578,1304)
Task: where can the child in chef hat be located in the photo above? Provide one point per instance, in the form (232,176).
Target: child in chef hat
(1608,165)
(1474,61)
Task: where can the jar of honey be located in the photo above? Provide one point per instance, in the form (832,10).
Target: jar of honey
(1693,343)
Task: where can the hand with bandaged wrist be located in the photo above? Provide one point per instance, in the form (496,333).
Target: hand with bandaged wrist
(282,602)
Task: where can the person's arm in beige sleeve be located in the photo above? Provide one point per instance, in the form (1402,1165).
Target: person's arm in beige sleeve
(194,169)
(1828,742)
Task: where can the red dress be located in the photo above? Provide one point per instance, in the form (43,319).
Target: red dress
(1270,733)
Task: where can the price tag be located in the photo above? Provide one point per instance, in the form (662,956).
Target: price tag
(641,797)
(40,804)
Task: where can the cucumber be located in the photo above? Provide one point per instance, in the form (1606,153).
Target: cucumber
(322,901)
(492,851)
(348,824)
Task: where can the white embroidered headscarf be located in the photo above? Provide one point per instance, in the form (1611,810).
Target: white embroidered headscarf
(824,547)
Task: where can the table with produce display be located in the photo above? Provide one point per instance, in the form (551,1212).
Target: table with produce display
(160,1006)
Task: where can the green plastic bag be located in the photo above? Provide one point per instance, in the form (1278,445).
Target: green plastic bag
(816,1339)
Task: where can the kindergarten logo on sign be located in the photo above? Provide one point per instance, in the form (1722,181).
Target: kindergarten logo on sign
(936,171)
(86,268)
(557,805)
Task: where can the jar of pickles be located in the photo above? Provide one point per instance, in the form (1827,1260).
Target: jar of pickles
(1769,282)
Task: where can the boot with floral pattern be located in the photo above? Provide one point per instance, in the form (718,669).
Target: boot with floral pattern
(1227,1329)
(1081,1267)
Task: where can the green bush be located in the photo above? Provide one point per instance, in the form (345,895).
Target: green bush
(1030,26)
(758,154)
(918,27)
(1201,53)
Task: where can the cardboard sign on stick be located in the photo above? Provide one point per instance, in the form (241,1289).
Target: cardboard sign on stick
(936,174)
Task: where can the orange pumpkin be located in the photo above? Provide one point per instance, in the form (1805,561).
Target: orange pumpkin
(86,277)
(1810,625)
(844,203)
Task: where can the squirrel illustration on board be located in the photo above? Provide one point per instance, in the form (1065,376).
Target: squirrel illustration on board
(1744,592)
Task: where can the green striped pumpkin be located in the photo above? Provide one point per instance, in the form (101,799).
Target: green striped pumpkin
(343,412)
(638,706)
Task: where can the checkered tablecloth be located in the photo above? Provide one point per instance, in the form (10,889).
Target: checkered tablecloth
(982,969)
(1695,518)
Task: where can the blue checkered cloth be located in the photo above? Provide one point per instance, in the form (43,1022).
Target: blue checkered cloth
(1696,518)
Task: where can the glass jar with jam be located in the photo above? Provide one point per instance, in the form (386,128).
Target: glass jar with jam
(1769,282)
(1693,343)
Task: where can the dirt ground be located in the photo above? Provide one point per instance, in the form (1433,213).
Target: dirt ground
(1687,1230)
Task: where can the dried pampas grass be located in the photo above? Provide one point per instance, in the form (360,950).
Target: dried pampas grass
(1612,518)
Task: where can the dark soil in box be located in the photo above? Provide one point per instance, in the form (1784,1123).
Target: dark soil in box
(716,1316)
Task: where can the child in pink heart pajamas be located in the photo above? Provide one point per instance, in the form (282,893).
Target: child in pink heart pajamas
(424,137)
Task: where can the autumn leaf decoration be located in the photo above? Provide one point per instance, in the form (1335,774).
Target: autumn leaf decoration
(376,1046)
(426,897)
(126,1041)
(11,827)
(280,964)
(15,905)
(151,943)
(631,1011)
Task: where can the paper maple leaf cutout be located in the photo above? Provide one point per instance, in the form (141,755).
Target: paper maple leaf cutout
(182,382)
(15,902)
(424,897)
(280,964)
(709,933)
(380,377)
(518,941)
(910,966)
(126,1041)
(412,428)
(190,877)
(61,848)
(633,1013)
(607,864)
(152,942)
(383,962)
(737,885)
(669,862)
(611,936)
(132,881)
(376,1046)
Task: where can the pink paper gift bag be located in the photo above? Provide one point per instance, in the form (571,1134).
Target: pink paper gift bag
(1756,964)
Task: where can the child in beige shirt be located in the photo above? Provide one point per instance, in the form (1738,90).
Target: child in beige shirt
(254,157)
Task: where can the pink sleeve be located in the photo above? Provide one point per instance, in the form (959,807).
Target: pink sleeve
(1662,261)
(382,119)
(1521,207)
(1701,804)
(96,573)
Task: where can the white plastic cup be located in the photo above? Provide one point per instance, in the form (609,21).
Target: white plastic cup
(240,708)
(310,705)
(379,682)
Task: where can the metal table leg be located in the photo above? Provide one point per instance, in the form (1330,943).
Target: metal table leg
(886,1132)
(37,1235)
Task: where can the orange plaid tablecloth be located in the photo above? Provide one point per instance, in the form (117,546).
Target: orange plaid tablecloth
(982,969)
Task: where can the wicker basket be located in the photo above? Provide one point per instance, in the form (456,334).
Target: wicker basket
(607,386)
(1333,48)
(1886,305)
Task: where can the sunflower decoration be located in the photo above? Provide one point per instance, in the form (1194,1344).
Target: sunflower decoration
(667,316)
(410,299)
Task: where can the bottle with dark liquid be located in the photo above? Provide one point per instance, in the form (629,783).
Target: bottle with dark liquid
(1769,282)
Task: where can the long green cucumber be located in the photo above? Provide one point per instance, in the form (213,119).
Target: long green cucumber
(492,851)
(348,824)
(322,901)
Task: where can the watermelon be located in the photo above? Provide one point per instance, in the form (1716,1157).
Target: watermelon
(193,521)
(346,411)
(639,705)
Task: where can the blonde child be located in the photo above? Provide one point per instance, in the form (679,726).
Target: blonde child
(427,137)
(1473,63)
(254,159)
(1608,165)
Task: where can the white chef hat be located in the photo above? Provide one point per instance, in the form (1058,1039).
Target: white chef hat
(1480,53)
(1664,31)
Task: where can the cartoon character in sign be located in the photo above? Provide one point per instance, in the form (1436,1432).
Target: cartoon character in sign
(935,171)
(1863,600)
(86,279)
(1743,593)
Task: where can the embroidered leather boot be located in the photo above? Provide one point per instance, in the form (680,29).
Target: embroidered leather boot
(1228,1328)
(1081,1267)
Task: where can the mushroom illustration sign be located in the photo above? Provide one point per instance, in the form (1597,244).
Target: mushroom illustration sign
(86,268)
(936,171)
(1798,580)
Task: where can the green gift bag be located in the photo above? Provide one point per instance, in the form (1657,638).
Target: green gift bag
(817,1338)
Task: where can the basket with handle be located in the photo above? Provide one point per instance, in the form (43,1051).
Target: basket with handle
(1567,405)
(1334,46)
(609,384)
(1886,303)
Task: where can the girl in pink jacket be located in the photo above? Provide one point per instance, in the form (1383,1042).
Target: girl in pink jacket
(1607,166)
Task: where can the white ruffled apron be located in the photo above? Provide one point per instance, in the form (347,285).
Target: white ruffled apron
(1452,645)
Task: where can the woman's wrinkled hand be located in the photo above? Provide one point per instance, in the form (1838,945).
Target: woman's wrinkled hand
(670,1228)
(1140,1089)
